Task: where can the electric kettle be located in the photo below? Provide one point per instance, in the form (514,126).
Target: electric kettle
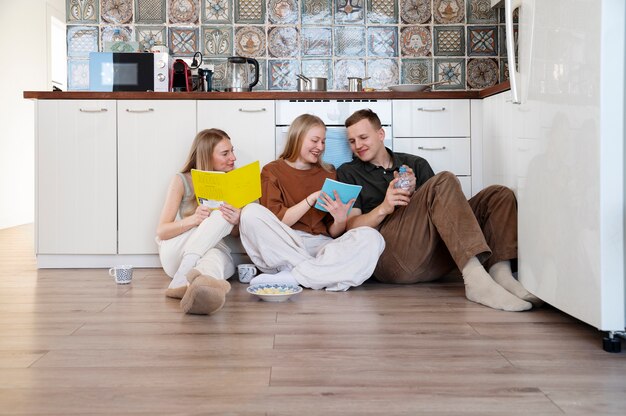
(238,74)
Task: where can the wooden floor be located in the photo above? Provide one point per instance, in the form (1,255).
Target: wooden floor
(73,342)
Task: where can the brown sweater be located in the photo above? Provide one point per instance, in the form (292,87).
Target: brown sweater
(283,187)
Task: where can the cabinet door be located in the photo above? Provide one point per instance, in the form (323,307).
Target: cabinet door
(76,199)
(431,118)
(451,154)
(249,123)
(153,142)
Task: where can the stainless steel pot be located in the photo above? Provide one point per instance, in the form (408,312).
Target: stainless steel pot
(311,83)
(355,84)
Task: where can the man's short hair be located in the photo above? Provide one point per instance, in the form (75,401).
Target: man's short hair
(365,114)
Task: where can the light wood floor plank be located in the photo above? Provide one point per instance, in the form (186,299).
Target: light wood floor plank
(72,342)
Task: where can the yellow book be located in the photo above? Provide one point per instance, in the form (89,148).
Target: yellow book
(238,187)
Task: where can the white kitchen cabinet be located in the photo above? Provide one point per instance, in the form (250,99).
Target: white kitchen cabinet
(440,132)
(249,123)
(153,138)
(76,198)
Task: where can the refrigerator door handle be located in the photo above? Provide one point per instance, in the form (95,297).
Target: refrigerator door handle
(514,75)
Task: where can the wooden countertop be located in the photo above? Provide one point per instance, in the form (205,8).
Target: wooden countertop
(265,95)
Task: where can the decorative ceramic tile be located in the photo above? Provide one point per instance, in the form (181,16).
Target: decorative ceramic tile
(217,41)
(116,12)
(148,36)
(504,70)
(415,11)
(417,71)
(452,70)
(282,74)
(482,73)
(217,11)
(317,41)
(480,11)
(382,73)
(81,40)
(150,11)
(250,11)
(250,41)
(283,42)
(318,68)
(449,11)
(482,40)
(219,72)
(503,49)
(121,46)
(317,12)
(382,11)
(78,74)
(416,41)
(282,11)
(449,41)
(115,34)
(345,68)
(183,41)
(349,41)
(82,11)
(382,41)
(502,15)
(184,11)
(349,11)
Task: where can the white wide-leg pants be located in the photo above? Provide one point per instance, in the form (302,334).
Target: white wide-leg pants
(315,261)
(204,240)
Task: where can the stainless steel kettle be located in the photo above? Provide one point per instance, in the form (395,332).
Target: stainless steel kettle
(238,74)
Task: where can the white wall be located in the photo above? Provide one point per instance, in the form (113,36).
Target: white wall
(25,67)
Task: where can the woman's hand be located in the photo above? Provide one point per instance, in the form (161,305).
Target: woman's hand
(200,215)
(230,213)
(313,197)
(335,207)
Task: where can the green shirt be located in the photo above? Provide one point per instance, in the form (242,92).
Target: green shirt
(375,179)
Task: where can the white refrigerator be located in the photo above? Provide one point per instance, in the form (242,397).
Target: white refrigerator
(568,116)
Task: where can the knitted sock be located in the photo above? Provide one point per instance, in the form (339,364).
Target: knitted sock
(281,278)
(480,288)
(501,273)
(186,264)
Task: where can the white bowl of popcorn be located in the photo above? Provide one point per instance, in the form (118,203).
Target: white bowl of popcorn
(274,292)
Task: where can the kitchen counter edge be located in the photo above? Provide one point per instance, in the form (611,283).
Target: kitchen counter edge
(266,95)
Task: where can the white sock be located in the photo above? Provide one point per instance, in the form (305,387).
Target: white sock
(282,278)
(502,274)
(480,288)
(187,263)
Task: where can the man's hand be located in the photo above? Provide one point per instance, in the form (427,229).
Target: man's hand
(395,197)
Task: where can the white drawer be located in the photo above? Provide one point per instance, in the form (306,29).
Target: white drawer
(452,154)
(431,118)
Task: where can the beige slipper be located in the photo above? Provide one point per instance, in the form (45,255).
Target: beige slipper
(176,292)
(205,295)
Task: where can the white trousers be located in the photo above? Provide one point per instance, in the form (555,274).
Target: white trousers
(204,240)
(315,261)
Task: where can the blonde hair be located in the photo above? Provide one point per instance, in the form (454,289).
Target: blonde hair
(201,157)
(201,153)
(295,137)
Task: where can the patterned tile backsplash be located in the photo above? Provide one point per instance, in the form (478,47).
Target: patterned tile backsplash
(389,41)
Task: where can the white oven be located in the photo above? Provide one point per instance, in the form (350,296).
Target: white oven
(333,113)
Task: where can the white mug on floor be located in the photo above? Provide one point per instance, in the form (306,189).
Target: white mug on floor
(246,272)
(123,274)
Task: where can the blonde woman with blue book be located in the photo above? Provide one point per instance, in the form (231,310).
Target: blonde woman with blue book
(291,241)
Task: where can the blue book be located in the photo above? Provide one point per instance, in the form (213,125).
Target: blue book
(346,192)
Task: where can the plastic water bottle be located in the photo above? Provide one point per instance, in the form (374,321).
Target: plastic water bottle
(403,178)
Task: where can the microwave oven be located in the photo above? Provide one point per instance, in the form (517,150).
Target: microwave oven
(129,71)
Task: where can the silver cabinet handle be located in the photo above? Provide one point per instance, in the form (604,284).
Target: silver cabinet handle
(430,109)
(243,110)
(96,110)
(149,110)
(431,148)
